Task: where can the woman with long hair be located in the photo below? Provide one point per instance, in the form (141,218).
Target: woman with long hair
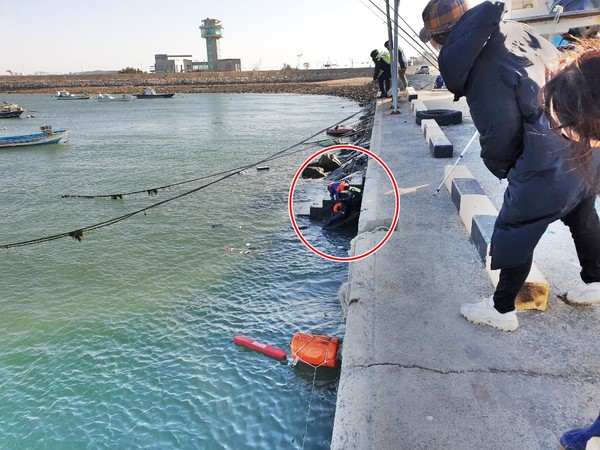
(571,99)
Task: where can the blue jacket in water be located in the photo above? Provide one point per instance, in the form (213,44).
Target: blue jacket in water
(499,66)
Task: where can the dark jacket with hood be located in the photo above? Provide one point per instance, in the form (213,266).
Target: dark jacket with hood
(499,67)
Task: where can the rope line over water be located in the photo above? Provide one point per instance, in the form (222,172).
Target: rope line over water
(78,233)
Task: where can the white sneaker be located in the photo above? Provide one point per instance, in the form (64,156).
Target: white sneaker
(588,294)
(484,313)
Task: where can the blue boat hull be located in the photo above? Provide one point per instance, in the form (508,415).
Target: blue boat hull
(34,139)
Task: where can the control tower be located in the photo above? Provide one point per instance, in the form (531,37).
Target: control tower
(212,31)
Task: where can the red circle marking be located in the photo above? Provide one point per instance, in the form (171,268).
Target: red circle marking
(291,204)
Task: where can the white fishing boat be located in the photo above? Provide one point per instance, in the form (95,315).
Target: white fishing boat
(66,95)
(10,110)
(105,98)
(123,98)
(114,98)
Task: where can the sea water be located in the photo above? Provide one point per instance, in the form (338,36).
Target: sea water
(124,340)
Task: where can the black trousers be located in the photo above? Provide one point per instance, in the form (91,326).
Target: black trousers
(384,80)
(585,228)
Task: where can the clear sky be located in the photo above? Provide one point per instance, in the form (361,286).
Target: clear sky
(63,36)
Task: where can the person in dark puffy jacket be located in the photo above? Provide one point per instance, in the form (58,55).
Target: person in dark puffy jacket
(499,67)
(571,98)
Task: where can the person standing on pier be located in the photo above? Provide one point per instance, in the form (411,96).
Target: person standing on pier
(517,143)
(571,99)
(382,73)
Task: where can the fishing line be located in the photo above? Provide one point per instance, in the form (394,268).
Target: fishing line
(78,233)
(154,190)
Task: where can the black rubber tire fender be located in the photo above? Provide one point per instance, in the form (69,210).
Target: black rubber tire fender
(441,116)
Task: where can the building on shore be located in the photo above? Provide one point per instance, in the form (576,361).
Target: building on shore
(164,63)
(212,31)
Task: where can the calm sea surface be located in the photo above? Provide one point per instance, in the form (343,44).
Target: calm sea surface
(125,339)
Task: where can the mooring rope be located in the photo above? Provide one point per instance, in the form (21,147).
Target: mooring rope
(154,190)
(78,233)
(310,396)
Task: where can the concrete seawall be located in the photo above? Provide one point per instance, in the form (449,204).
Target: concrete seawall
(415,374)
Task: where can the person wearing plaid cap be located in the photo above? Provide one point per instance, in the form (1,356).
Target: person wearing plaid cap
(499,67)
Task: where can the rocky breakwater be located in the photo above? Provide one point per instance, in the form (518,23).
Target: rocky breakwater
(354,84)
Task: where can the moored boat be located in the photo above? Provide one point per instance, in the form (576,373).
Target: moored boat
(114,98)
(66,95)
(151,93)
(123,98)
(105,98)
(338,131)
(46,136)
(10,110)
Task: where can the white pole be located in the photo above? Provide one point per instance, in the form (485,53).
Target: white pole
(456,162)
(393,55)
(395,59)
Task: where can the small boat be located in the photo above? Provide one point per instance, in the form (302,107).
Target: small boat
(112,98)
(10,110)
(105,98)
(66,95)
(123,98)
(47,136)
(338,131)
(315,349)
(261,347)
(151,93)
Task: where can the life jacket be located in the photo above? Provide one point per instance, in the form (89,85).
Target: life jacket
(384,56)
(337,208)
(338,186)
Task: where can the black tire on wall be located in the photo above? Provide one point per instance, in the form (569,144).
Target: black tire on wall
(441,116)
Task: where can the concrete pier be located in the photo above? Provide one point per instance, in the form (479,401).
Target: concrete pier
(417,375)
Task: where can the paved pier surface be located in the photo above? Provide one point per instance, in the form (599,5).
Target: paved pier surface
(415,374)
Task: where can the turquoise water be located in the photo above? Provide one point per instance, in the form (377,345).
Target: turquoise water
(124,340)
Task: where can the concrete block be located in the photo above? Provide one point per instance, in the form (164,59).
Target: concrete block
(417,105)
(430,127)
(463,186)
(482,228)
(473,205)
(440,147)
(458,172)
(436,139)
(411,94)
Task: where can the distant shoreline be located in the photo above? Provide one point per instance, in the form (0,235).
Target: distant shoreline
(354,84)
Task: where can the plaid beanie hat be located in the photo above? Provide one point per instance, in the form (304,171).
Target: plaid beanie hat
(439,16)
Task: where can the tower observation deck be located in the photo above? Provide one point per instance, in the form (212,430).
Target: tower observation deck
(212,31)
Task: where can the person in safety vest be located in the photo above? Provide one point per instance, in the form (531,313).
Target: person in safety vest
(382,71)
(335,187)
(402,63)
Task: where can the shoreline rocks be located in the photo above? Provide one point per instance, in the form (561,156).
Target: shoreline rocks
(313,82)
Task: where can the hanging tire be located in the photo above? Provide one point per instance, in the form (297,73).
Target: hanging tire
(441,116)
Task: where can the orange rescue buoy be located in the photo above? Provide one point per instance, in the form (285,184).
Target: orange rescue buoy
(315,349)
